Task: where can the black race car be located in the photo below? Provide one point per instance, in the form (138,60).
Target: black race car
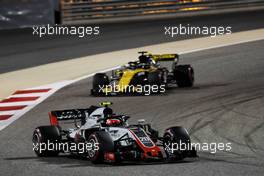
(109,138)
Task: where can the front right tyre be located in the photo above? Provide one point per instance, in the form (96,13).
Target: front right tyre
(177,144)
(100,80)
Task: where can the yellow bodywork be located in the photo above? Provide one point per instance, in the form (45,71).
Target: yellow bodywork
(163,57)
(128,74)
(126,78)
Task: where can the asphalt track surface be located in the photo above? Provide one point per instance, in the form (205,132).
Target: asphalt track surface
(19,49)
(225,105)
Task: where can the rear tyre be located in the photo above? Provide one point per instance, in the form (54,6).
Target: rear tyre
(184,75)
(44,140)
(104,144)
(176,143)
(100,80)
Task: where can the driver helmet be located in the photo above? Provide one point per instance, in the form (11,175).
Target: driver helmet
(144,59)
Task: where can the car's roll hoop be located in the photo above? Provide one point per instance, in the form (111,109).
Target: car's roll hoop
(106,103)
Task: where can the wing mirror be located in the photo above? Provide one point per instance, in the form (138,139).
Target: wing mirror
(141,121)
(105,103)
(125,118)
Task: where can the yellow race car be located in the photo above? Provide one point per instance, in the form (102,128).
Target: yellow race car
(151,73)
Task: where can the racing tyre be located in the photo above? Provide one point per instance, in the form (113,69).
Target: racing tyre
(184,75)
(99,80)
(44,140)
(102,144)
(177,144)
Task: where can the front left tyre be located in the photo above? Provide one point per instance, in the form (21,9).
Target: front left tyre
(44,140)
(100,81)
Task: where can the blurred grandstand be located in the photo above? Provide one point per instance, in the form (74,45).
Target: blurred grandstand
(21,13)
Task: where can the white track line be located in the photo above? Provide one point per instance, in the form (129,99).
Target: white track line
(27,103)
(7,113)
(27,95)
(30,105)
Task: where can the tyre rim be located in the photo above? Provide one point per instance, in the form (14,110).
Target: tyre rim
(92,152)
(191,75)
(168,142)
(36,142)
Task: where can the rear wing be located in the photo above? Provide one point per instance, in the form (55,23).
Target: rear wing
(164,57)
(70,114)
